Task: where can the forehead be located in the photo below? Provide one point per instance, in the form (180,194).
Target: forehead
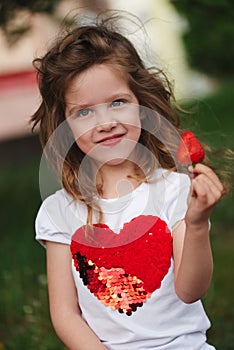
(97,82)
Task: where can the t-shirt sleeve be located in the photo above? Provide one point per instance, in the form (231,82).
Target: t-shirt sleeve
(178,191)
(51,221)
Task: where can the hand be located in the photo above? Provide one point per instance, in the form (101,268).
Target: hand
(206,191)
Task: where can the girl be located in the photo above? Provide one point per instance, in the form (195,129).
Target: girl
(127,238)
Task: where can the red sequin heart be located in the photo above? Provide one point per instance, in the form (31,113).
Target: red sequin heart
(122,270)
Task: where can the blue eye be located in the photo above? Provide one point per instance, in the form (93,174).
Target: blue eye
(83,112)
(117,103)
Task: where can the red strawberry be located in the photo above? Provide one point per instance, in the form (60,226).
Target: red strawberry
(190,149)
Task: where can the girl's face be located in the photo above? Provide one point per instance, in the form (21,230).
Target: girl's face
(103,114)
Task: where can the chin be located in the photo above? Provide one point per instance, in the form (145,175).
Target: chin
(116,161)
(114,158)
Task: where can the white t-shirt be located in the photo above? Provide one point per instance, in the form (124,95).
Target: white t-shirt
(126,290)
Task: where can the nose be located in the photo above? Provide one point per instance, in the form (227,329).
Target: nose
(105,120)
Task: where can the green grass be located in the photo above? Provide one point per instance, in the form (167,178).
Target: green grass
(211,119)
(24,316)
(220,298)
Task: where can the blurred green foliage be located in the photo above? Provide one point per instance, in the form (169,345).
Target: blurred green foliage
(210,35)
(24,315)
(13,21)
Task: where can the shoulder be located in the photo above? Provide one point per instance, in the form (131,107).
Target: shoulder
(54,207)
(177,182)
(174,176)
(57,218)
(57,201)
(172,180)
(173,193)
(177,185)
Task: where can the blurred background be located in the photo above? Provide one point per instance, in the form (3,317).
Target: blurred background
(193,43)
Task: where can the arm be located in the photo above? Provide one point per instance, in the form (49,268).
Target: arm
(64,308)
(191,247)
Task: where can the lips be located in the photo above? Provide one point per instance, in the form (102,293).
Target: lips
(111,140)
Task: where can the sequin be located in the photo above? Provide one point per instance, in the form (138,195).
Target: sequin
(113,287)
(124,276)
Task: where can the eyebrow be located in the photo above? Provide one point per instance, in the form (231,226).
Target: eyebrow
(79,107)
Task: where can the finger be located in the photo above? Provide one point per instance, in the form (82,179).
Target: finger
(213,185)
(200,190)
(208,172)
(204,188)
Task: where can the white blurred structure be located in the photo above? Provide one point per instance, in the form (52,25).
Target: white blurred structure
(19,96)
(162,46)
(165,28)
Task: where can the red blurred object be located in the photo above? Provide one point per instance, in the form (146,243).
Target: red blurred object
(190,149)
(13,80)
(19,98)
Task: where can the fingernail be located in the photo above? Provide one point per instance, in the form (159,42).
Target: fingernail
(190,169)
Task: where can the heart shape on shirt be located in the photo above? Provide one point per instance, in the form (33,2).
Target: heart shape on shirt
(122,270)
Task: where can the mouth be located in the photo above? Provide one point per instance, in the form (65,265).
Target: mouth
(111,140)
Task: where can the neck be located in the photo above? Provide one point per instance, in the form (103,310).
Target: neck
(116,181)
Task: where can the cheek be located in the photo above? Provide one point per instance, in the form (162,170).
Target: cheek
(134,134)
(82,134)
(82,137)
(83,141)
(134,127)
(79,130)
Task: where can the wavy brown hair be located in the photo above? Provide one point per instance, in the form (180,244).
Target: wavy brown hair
(76,52)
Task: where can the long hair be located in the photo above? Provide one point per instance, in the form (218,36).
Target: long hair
(77,51)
